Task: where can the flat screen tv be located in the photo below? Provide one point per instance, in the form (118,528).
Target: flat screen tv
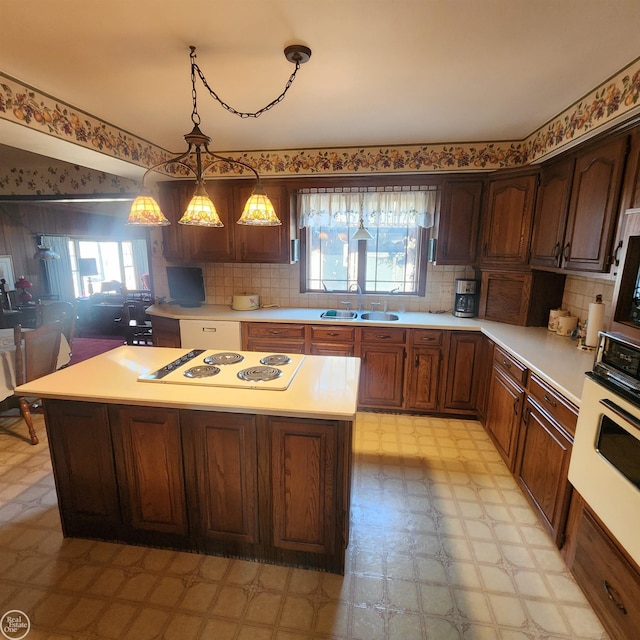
(186,286)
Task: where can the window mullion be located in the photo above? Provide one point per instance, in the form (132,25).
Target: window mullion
(362,265)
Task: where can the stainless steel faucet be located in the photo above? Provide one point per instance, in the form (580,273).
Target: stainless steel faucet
(358,290)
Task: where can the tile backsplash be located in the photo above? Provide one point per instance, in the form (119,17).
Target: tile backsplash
(579,291)
(279,285)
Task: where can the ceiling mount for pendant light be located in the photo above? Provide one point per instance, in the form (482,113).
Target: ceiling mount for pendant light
(201,211)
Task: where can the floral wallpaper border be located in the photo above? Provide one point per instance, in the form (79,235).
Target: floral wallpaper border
(26,106)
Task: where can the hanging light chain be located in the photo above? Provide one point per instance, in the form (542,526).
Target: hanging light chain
(195,117)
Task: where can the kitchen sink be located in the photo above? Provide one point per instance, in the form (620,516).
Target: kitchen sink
(380,316)
(339,314)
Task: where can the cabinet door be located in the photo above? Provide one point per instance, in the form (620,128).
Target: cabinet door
(221,460)
(304,484)
(463,365)
(503,415)
(166,331)
(381,376)
(593,207)
(263,244)
(80,441)
(423,387)
(542,468)
(459,221)
(331,340)
(197,244)
(148,451)
(508,218)
(552,205)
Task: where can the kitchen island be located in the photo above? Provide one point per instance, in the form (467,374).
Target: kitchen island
(254,473)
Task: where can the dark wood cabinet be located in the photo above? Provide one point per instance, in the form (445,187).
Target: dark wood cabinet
(423,380)
(147,445)
(608,577)
(507,220)
(273,336)
(594,206)
(231,242)
(552,208)
(542,467)
(335,340)
(166,331)
(264,487)
(504,407)
(221,459)
(520,297)
(83,467)
(459,221)
(382,371)
(304,463)
(463,372)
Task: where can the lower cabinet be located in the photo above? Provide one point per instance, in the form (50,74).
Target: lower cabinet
(464,367)
(335,340)
(609,579)
(271,336)
(423,380)
(147,446)
(542,467)
(166,331)
(262,487)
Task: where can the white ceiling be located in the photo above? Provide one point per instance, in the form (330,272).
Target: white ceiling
(382,72)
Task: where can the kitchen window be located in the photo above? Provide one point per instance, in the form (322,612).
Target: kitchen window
(394,261)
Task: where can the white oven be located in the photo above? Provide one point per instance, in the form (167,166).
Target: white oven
(605,461)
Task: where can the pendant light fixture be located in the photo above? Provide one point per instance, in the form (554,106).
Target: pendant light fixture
(362,233)
(201,211)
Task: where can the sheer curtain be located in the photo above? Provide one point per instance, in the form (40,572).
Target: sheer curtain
(58,272)
(140,260)
(377,208)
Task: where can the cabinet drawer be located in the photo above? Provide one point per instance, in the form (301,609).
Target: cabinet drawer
(333,334)
(427,337)
(273,330)
(565,412)
(609,581)
(514,369)
(382,334)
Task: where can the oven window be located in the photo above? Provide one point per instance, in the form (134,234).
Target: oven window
(620,448)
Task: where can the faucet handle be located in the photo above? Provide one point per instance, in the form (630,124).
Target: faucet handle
(346,303)
(375,305)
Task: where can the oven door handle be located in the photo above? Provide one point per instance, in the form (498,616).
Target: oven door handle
(619,411)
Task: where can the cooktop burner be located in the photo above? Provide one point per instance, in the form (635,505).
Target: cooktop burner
(276,360)
(224,357)
(202,371)
(241,370)
(259,374)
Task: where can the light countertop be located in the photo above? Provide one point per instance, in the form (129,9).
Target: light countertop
(554,358)
(324,387)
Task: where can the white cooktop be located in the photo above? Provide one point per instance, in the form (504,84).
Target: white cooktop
(184,370)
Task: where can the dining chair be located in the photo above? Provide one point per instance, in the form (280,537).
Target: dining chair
(36,355)
(59,311)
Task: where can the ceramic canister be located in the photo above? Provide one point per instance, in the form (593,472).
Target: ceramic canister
(245,302)
(566,324)
(554,314)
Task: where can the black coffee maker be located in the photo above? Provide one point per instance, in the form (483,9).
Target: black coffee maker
(466,302)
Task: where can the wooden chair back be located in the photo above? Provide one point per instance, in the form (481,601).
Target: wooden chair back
(37,351)
(58,311)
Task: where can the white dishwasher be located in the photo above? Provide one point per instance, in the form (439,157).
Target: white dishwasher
(210,334)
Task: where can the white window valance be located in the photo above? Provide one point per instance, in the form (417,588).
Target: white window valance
(377,208)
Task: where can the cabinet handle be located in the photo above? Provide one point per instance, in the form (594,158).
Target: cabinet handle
(516,402)
(556,250)
(275,332)
(383,336)
(332,333)
(506,364)
(565,253)
(616,254)
(427,338)
(416,362)
(611,594)
(525,415)
(551,401)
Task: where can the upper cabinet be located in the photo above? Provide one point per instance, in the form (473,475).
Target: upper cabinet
(507,220)
(552,207)
(232,242)
(459,221)
(593,206)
